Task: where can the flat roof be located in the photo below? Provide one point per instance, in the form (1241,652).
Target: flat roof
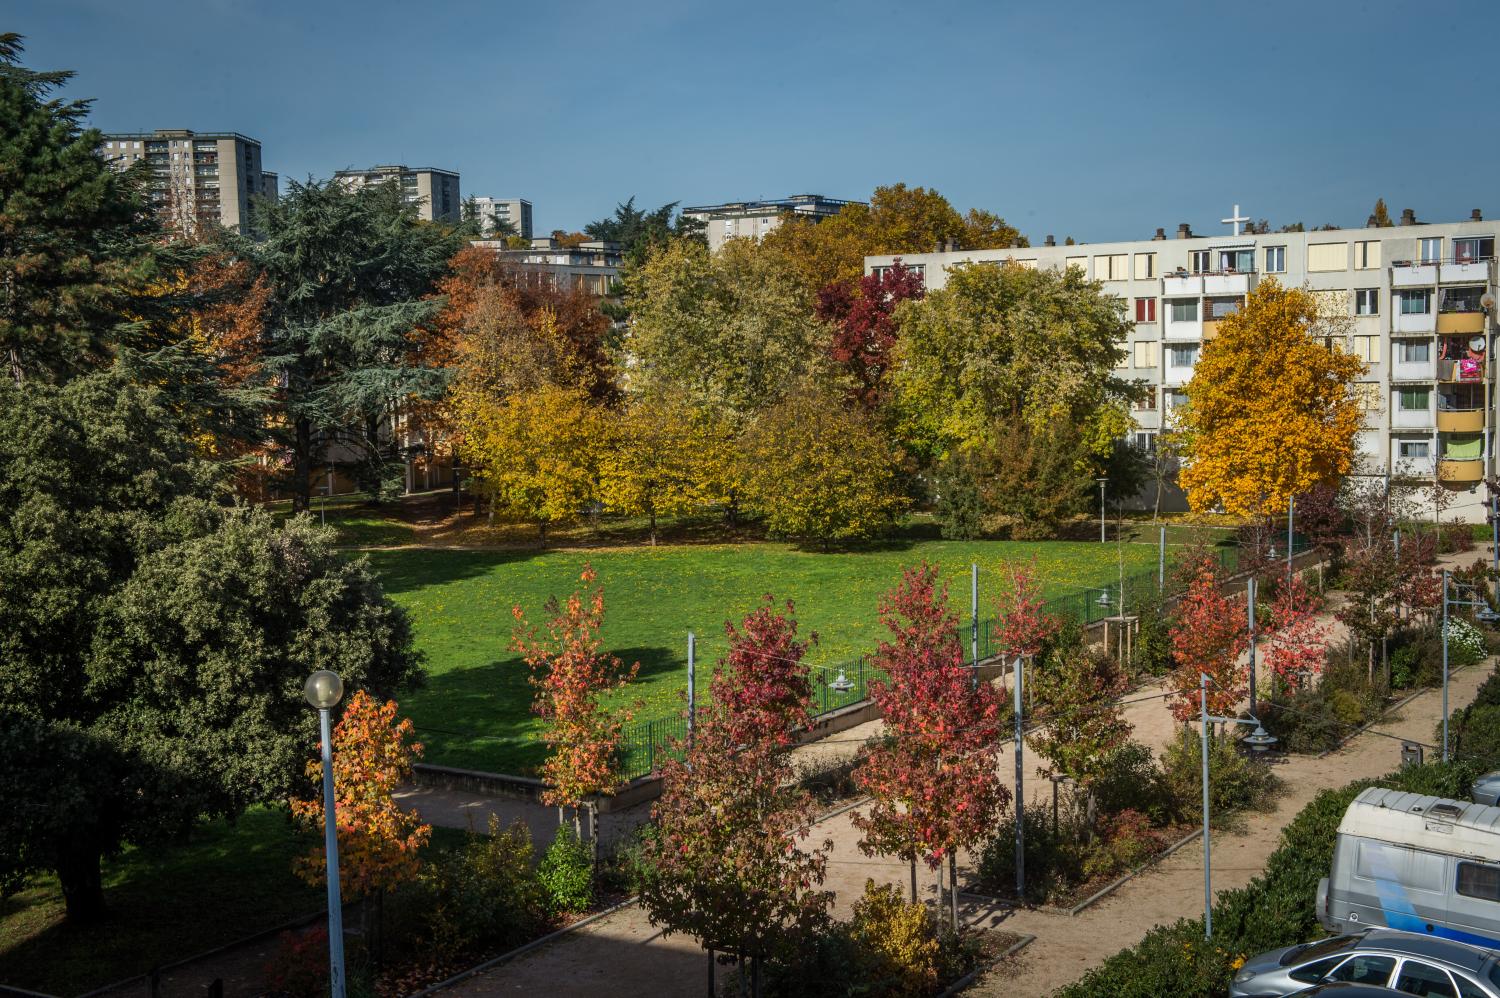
(787,202)
(394,168)
(180,133)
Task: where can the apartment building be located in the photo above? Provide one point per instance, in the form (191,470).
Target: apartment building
(1420,306)
(593,266)
(434,192)
(515,211)
(753,219)
(197,178)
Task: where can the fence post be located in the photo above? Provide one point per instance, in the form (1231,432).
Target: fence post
(651,746)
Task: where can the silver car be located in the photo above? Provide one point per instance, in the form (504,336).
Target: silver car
(1408,963)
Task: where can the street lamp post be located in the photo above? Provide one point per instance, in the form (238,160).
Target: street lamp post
(1259,740)
(323,690)
(1102,482)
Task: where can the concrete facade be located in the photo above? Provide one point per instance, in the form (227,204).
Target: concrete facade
(516,211)
(434,192)
(1415,302)
(198,178)
(593,266)
(753,219)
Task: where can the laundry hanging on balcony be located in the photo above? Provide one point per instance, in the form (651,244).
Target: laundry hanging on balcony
(1469,369)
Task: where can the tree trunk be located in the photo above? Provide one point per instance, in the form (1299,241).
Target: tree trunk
(914,881)
(711,961)
(302,467)
(953,888)
(82,885)
(653,528)
(541,531)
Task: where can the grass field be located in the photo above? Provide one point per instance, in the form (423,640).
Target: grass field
(475,709)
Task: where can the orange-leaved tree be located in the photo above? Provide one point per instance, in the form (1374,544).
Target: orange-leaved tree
(379,841)
(1271,408)
(1209,634)
(571,676)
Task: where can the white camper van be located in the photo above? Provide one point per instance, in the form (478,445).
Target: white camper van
(1422,864)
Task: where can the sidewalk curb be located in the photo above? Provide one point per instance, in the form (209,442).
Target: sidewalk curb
(969,978)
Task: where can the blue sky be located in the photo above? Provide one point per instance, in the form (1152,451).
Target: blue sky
(1100,121)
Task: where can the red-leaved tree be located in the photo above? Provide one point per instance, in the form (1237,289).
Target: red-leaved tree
(864,325)
(762,682)
(1298,649)
(571,677)
(933,778)
(1209,634)
(1022,624)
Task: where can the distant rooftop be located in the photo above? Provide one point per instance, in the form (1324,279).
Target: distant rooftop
(181,133)
(795,202)
(394,168)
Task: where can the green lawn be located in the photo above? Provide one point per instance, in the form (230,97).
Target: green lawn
(475,709)
(165,903)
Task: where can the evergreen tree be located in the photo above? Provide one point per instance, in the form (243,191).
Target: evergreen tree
(74,234)
(351,276)
(1381,214)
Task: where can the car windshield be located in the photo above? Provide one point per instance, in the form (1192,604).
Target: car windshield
(1321,948)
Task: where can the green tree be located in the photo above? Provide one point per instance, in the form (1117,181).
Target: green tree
(1381,214)
(156,640)
(74,233)
(351,275)
(817,471)
(1003,347)
(665,459)
(730,331)
(639,231)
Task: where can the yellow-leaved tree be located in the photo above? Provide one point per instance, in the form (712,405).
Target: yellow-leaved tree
(666,458)
(1271,407)
(535,454)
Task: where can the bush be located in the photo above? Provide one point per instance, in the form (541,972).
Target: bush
(1466,646)
(1473,734)
(1235,781)
(1133,780)
(960,503)
(1455,537)
(1151,651)
(1318,716)
(1125,841)
(483,893)
(1054,861)
(566,873)
(299,968)
(903,936)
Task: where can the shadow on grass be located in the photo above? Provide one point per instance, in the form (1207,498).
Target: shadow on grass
(412,569)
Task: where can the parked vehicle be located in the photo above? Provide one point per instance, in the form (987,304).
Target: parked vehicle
(1341,990)
(1380,959)
(1423,864)
(1486,789)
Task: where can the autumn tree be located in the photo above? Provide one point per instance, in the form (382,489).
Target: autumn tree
(1298,646)
(898,220)
(731,864)
(1271,410)
(1209,634)
(1383,584)
(535,455)
(1078,722)
(572,677)
(864,325)
(665,459)
(1381,214)
(1022,624)
(731,331)
(379,841)
(817,471)
(934,777)
(1002,348)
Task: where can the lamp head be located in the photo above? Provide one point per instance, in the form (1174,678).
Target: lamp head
(323,689)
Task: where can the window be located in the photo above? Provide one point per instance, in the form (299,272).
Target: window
(1367,255)
(1076,261)
(1145,266)
(1461,299)
(1417,302)
(1468,989)
(1147,402)
(1201,261)
(1430,249)
(1328,256)
(1313,972)
(1236,261)
(1478,881)
(1183,309)
(1474,249)
(1185,355)
(1145,310)
(1413,399)
(1366,301)
(1173,399)
(1413,351)
(1424,979)
(1414,449)
(1145,441)
(1367,348)
(1218,308)
(1111,267)
(1276,259)
(1365,969)
(1145,356)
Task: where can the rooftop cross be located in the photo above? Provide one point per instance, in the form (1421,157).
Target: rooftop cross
(1235,220)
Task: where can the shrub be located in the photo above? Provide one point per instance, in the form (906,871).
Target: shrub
(1235,781)
(566,873)
(1317,717)
(1151,651)
(299,968)
(1132,780)
(960,503)
(1125,841)
(1466,646)
(1473,734)
(1054,862)
(484,892)
(1455,537)
(903,935)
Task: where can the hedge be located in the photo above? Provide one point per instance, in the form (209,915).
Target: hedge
(1275,909)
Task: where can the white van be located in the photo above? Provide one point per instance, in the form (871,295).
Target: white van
(1421,864)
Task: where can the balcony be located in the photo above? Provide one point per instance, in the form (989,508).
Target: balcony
(1460,322)
(1227,284)
(1461,471)
(1413,370)
(1413,275)
(1411,419)
(1413,467)
(1460,420)
(1473,272)
(1465,370)
(1181,287)
(1210,328)
(1412,322)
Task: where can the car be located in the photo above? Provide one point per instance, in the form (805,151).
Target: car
(1410,964)
(1340,989)
(1486,789)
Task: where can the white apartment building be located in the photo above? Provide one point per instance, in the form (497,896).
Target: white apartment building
(197,178)
(434,192)
(1420,302)
(516,211)
(593,266)
(753,219)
